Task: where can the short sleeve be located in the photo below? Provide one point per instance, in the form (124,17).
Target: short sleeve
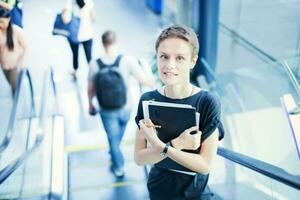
(139,113)
(132,66)
(210,116)
(93,70)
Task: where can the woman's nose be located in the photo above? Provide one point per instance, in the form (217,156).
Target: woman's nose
(171,63)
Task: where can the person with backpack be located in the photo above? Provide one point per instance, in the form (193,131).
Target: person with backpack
(108,81)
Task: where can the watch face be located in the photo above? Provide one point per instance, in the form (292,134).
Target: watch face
(163,154)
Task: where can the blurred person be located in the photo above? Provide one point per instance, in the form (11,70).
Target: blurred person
(187,158)
(84,9)
(12,48)
(109,80)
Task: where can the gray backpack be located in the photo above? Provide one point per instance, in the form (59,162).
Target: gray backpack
(110,85)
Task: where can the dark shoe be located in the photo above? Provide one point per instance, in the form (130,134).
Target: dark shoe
(92,110)
(74,75)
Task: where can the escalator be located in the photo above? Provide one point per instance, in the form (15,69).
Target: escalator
(47,170)
(254,114)
(89,175)
(234,176)
(66,165)
(242,177)
(14,139)
(257,123)
(29,161)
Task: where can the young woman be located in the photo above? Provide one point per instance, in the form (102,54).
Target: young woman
(86,13)
(177,49)
(12,47)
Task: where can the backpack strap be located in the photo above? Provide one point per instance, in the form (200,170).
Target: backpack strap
(102,65)
(117,62)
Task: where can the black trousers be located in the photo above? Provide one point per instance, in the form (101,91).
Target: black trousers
(87,46)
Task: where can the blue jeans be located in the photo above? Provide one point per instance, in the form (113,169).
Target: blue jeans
(114,122)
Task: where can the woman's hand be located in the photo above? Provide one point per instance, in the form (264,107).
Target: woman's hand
(66,15)
(186,140)
(149,132)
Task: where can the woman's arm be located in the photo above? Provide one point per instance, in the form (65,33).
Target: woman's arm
(137,71)
(66,13)
(93,14)
(22,44)
(197,162)
(144,155)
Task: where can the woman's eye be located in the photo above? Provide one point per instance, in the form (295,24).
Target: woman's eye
(164,57)
(180,58)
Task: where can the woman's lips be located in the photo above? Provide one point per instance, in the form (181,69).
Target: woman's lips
(170,74)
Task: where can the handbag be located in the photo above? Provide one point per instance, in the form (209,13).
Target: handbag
(17,14)
(68,30)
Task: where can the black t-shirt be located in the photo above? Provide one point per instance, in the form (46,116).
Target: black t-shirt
(205,102)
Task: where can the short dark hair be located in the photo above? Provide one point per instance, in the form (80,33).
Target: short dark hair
(182,32)
(108,38)
(80,3)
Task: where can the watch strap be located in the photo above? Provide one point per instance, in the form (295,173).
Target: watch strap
(165,150)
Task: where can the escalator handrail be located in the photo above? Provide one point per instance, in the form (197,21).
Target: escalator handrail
(54,88)
(292,77)
(9,132)
(265,55)
(13,166)
(31,93)
(247,44)
(291,124)
(269,170)
(276,173)
(264,168)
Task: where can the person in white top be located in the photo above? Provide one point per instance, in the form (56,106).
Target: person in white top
(84,9)
(114,119)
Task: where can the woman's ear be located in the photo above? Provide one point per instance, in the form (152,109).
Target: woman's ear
(194,61)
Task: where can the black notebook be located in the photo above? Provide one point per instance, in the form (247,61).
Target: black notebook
(173,119)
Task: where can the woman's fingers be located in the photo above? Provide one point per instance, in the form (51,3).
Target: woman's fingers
(193,130)
(146,124)
(141,123)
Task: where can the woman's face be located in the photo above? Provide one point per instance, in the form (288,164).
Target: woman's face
(4,22)
(174,59)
